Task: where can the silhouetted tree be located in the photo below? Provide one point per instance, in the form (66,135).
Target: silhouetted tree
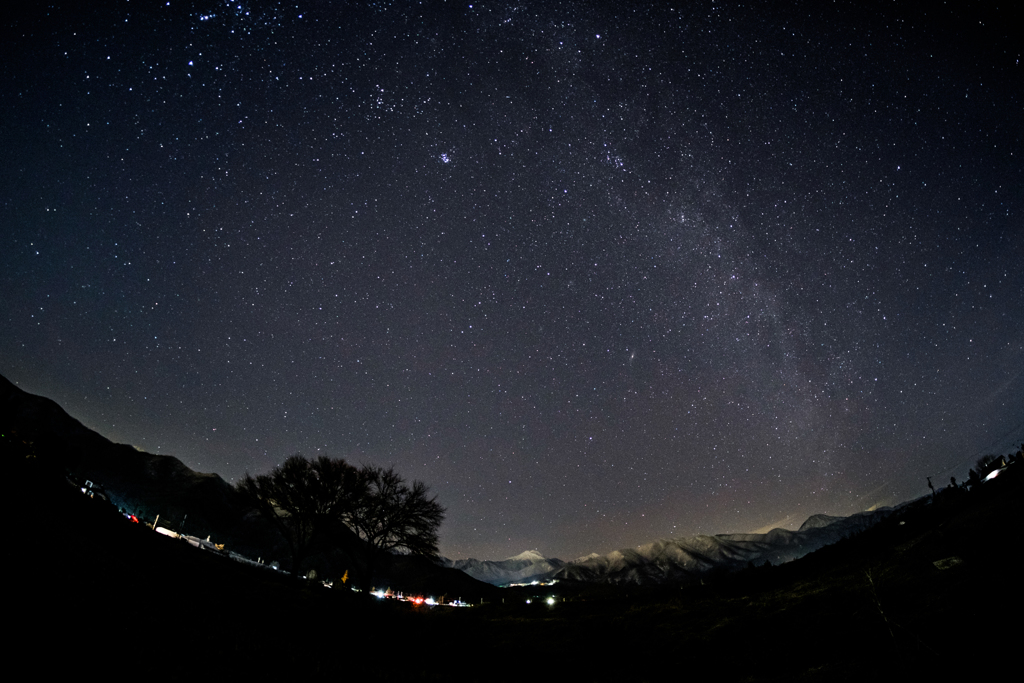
(330,500)
(306,499)
(395,517)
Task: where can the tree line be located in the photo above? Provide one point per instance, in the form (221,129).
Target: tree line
(365,511)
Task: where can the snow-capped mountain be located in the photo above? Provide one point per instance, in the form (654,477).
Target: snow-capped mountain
(673,560)
(690,558)
(523,568)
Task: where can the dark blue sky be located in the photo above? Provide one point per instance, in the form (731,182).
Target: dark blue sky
(596,275)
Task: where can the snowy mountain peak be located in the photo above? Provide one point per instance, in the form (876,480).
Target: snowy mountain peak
(819,521)
(591,556)
(527,556)
(523,568)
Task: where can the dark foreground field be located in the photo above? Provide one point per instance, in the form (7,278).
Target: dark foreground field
(89,592)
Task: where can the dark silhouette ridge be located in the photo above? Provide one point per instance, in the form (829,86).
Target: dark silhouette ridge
(95,591)
(141,483)
(148,485)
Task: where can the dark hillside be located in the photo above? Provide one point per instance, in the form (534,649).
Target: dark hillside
(110,593)
(142,483)
(875,606)
(147,485)
(97,592)
(930,591)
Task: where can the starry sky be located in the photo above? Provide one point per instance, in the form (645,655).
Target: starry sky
(598,273)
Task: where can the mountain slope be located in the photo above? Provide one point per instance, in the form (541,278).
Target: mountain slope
(142,483)
(688,559)
(38,429)
(674,560)
(523,568)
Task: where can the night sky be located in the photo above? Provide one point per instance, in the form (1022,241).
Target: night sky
(597,275)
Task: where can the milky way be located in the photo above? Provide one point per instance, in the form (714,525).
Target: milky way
(597,276)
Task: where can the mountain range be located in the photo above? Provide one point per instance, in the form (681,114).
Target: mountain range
(149,485)
(674,560)
(525,567)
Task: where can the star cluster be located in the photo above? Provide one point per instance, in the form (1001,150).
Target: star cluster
(598,275)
